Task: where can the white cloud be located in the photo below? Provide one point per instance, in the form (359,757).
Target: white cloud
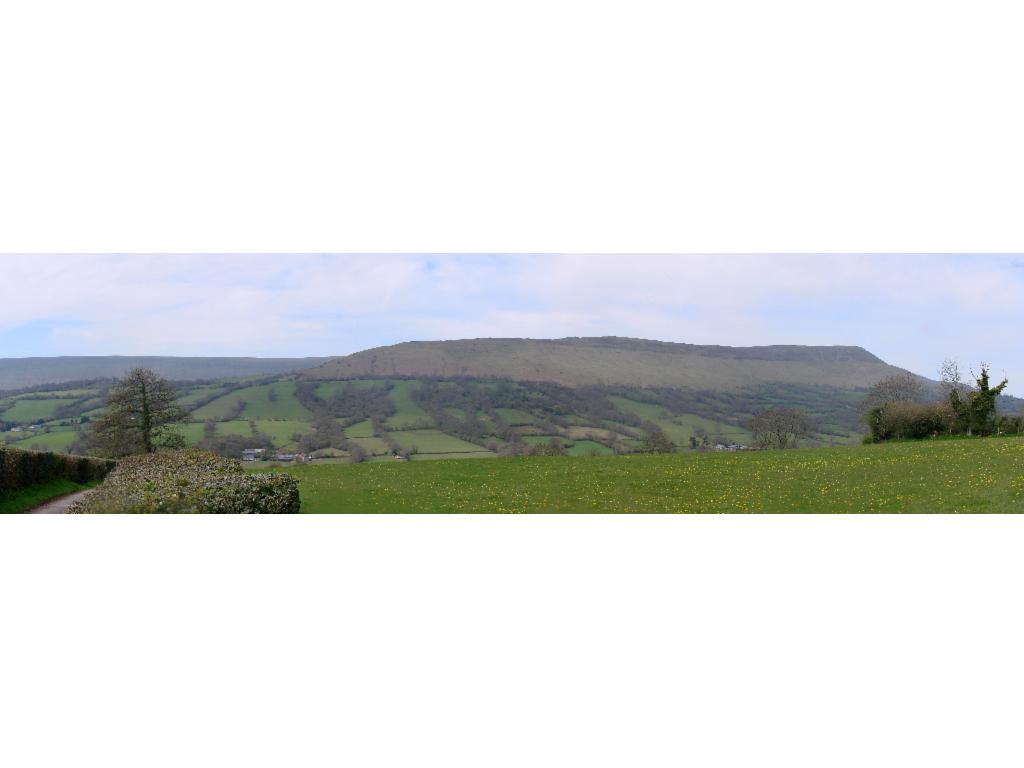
(911,310)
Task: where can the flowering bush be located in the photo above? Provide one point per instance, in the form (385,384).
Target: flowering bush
(190,481)
(21,469)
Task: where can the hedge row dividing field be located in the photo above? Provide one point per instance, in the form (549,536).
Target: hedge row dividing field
(979,475)
(30,478)
(23,469)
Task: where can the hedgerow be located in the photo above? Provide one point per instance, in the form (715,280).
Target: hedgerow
(22,469)
(190,481)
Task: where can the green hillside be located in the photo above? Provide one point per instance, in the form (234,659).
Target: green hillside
(485,398)
(265,401)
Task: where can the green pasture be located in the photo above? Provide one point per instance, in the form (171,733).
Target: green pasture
(969,476)
(193,396)
(58,439)
(219,408)
(329,389)
(588,447)
(434,441)
(478,454)
(572,447)
(258,404)
(281,432)
(240,428)
(408,413)
(515,417)
(373,446)
(362,429)
(27,411)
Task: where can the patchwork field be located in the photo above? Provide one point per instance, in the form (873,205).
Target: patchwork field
(438,418)
(972,476)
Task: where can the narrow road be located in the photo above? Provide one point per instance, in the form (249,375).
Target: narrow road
(58,506)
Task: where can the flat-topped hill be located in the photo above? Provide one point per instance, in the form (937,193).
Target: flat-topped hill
(615,361)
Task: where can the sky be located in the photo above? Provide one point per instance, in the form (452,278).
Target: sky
(911,310)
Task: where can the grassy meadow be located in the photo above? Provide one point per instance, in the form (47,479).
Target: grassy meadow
(962,476)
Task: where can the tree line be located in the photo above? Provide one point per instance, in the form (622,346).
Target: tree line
(902,407)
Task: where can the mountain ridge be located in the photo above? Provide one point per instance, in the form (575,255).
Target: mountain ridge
(582,361)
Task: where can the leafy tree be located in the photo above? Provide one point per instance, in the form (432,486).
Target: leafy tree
(975,409)
(141,416)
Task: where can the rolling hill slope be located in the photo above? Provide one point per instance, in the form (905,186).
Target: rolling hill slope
(579,362)
(479,398)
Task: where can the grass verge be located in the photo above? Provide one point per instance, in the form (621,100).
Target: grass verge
(25,499)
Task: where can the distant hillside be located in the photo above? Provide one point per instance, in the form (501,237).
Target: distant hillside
(614,361)
(18,373)
(466,399)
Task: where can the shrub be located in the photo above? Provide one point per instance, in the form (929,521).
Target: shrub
(1011,425)
(899,421)
(21,469)
(190,481)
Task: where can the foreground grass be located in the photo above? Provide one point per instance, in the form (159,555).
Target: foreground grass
(25,499)
(939,476)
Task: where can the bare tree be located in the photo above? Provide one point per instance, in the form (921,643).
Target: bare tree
(952,380)
(780,427)
(900,388)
